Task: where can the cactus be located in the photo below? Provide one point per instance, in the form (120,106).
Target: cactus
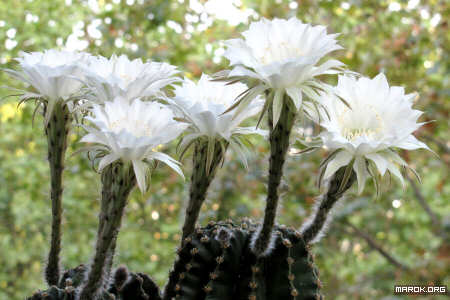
(124,285)
(54,293)
(312,230)
(279,144)
(136,286)
(57,130)
(204,168)
(216,262)
(118,180)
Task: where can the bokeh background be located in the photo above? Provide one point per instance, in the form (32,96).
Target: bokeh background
(400,238)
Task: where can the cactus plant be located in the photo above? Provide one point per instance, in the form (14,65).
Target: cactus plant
(216,262)
(123,285)
(224,260)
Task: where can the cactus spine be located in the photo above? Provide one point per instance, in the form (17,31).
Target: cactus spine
(202,175)
(279,144)
(118,180)
(57,131)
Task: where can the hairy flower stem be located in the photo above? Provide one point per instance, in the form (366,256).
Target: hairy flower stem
(57,131)
(118,180)
(312,228)
(200,181)
(279,144)
(110,257)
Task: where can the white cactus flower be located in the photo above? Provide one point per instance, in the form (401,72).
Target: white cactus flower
(282,55)
(129,79)
(52,74)
(365,136)
(203,105)
(131,132)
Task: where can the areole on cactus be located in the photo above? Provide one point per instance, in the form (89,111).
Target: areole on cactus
(131,116)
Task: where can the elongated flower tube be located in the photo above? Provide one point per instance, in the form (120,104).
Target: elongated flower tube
(364,137)
(313,229)
(51,77)
(124,136)
(279,57)
(211,130)
(130,79)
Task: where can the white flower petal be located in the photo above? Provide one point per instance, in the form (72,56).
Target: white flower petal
(277,106)
(361,172)
(130,130)
(296,95)
(172,163)
(411,143)
(396,172)
(240,151)
(281,53)
(140,170)
(130,79)
(106,160)
(341,159)
(205,106)
(51,73)
(369,120)
(379,161)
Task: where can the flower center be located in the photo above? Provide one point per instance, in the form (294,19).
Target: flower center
(135,127)
(280,52)
(353,134)
(361,122)
(125,76)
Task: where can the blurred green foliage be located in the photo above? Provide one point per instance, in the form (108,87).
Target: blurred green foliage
(408,40)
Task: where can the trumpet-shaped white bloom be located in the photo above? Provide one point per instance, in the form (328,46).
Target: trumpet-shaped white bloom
(203,105)
(380,118)
(283,55)
(129,79)
(52,74)
(131,132)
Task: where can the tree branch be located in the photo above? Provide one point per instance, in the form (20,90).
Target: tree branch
(374,245)
(436,223)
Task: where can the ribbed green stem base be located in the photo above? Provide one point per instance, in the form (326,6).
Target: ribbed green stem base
(57,132)
(118,180)
(279,145)
(217,264)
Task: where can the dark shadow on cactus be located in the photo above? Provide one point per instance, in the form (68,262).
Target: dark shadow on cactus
(216,263)
(124,285)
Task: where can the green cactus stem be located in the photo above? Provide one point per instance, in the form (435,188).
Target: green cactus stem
(201,178)
(313,228)
(57,131)
(217,263)
(279,144)
(110,256)
(118,180)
